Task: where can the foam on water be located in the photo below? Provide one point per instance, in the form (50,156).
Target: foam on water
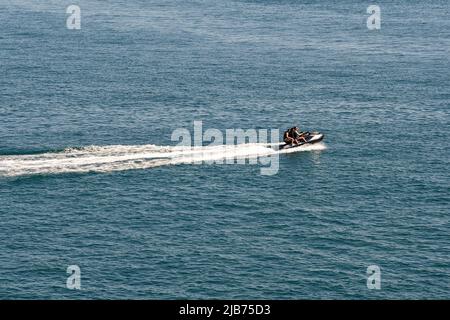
(121,157)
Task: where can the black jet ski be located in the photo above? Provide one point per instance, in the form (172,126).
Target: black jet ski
(311,137)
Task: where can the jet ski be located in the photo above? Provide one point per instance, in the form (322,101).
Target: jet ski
(311,137)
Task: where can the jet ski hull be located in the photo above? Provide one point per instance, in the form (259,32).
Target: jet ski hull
(311,138)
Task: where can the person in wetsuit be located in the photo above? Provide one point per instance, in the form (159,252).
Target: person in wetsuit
(293,136)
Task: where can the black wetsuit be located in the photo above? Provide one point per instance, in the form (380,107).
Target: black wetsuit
(288,135)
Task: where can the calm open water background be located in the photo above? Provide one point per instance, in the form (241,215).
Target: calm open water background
(137,70)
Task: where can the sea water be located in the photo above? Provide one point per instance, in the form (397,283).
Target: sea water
(89,174)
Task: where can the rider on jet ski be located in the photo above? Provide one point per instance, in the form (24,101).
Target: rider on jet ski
(293,136)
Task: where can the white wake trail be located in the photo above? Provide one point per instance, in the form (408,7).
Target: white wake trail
(121,157)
